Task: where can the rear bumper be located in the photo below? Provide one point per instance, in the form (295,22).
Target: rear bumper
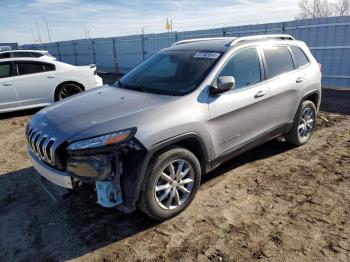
(61,179)
(98,81)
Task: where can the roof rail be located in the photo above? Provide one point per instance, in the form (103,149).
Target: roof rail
(199,40)
(260,37)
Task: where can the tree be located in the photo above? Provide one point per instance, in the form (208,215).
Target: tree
(323,8)
(342,7)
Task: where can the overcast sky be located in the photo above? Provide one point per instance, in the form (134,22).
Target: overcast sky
(67,19)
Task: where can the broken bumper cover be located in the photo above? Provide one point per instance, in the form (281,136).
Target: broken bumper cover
(59,178)
(116,171)
(108,192)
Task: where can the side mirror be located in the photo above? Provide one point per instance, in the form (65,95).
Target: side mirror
(223,84)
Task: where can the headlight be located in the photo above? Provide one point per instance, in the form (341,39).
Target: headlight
(100,141)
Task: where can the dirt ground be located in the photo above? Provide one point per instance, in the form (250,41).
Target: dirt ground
(274,203)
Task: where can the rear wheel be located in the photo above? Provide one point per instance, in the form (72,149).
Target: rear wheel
(67,90)
(304,124)
(172,181)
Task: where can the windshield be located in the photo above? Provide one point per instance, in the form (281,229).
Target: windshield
(170,72)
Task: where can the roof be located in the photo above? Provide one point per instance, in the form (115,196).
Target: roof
(222,44)
(19,50)
(209,44)
(36,59)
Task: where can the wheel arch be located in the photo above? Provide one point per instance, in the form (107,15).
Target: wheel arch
(191,141)
(314,97)
(64,83)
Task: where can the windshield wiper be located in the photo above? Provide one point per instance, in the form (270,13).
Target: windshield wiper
(138,88)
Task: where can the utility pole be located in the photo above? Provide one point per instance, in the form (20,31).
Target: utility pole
(171,25)
(33,35)
(37,28)
(47,27)
(168,25)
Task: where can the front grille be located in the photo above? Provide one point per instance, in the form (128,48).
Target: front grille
(42,145)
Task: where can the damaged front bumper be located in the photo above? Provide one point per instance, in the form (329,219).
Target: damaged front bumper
(106,168)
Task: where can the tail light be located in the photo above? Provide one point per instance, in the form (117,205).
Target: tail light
(320,66)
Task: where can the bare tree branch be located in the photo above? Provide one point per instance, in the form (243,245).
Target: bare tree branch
(342,7)
(323,8)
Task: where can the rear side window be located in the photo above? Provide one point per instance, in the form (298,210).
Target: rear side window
(25,68)
(49,67)
(34,54)
(278,60)
(299,56)
(5,70)
(244,66)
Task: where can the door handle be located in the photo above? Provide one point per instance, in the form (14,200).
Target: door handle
(260,94)
(300,79)
(7,84)
(51,77)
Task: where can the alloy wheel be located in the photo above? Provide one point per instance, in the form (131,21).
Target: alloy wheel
(306,123)
(174,184)
(68,90)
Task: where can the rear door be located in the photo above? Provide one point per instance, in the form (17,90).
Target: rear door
(8,95)
(285,85)
(239,116)
(36,82)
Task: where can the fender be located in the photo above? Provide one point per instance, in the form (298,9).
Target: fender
(138,164)
(313,92)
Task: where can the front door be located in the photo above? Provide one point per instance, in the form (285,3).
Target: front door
(8,96)
(239,116)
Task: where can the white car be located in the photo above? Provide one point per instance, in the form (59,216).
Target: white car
(36,82)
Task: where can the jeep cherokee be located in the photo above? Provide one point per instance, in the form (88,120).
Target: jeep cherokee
(146,141)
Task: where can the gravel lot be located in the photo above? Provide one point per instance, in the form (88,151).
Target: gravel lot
(274,203)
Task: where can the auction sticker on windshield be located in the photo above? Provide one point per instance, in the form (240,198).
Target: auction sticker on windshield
(210,55)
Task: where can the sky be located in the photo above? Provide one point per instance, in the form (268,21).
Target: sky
(70,19)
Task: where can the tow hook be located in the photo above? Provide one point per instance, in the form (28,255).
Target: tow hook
(108,193)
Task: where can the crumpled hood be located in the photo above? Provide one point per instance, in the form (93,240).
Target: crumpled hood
(78,113)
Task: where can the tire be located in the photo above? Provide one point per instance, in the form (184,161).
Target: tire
(67,90)
(304,124)
(154,199)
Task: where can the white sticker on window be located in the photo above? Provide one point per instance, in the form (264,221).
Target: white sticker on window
(210,55)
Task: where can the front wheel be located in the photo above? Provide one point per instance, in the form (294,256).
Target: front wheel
(172,181)
(304,124)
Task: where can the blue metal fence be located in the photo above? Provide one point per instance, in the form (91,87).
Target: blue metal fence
(328,39)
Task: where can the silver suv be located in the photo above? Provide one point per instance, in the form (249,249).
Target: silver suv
(146,141)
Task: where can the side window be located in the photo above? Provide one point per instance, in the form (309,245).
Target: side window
(35,54)
(49,67)
(21,54)
(244,66)
(299,56)
(278,60)
(5,55)
(5,70)
(25,68)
